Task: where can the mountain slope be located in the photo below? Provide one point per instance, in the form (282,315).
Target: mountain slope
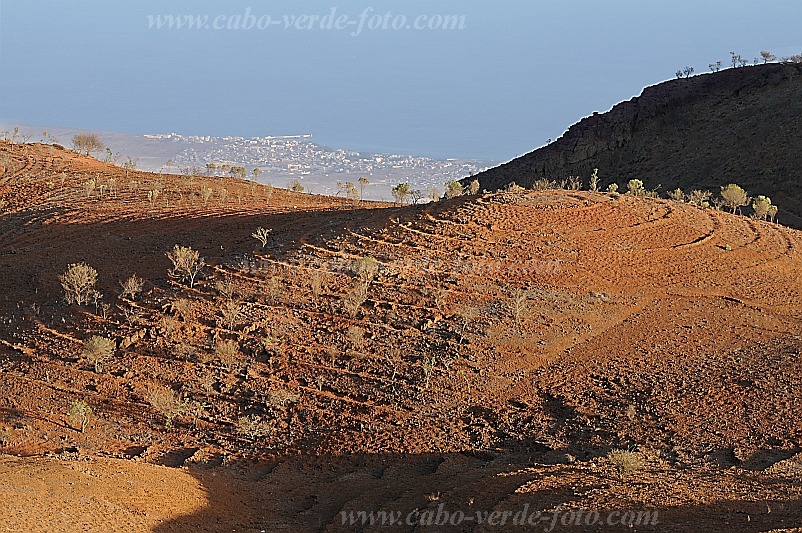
(739,125)
(503,345)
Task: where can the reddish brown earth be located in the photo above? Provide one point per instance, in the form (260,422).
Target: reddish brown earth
(645,325)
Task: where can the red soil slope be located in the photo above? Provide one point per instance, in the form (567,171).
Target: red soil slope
(506,344)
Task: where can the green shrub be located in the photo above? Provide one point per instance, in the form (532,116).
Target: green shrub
(734,196)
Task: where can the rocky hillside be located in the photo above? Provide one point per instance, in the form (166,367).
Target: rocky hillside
(739,125)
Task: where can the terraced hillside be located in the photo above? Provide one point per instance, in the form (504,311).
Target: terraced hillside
(482,353)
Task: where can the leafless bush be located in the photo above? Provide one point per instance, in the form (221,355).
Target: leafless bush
(274,289)
(132,314)
(205,194)
(262,235)
(167,402)
(231,313)
(89,187)
(356,337)
(468,313)
(365,269)
(227,352)
(677,195)
(185,308)
(87,142)
(187,264)
(79,284)
(625,461)
(170,326)
(428,366)
(699,198)
(281,398)
(132,286)
(518,305)
(574,183)
(186,351)
(97,350)
(226,287)
(544,185)
(253,427)
(352,302)
(317,281)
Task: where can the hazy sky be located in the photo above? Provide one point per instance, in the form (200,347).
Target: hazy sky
(519,73)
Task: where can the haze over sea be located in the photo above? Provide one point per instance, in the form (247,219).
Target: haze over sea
(506,79)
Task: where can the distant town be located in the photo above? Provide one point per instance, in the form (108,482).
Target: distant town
(278,160)
(283,159)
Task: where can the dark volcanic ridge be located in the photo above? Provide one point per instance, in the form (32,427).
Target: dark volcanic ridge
(739,126)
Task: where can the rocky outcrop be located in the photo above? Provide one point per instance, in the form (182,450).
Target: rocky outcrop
(739,125)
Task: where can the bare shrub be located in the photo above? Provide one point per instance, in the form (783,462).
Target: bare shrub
(317,281)
(593,184)
(574,183)
(87,142)
(132,286)
(365,269)
(677,195)
(356,337)
(185,308)
(274,289)
(231,313)
(468,314)
(79,414)
(518,305)
(187,264)
(625,461)
(170,326)
(131,314)
(543,184)
(89,187)
(352,302)
(79,284)
(186,351)
(97,350)
(700,198)
(167,402)
(281,397)
(262,235)
(227,352)
(253,427)
(226,287)
(428,365)
(205,194)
